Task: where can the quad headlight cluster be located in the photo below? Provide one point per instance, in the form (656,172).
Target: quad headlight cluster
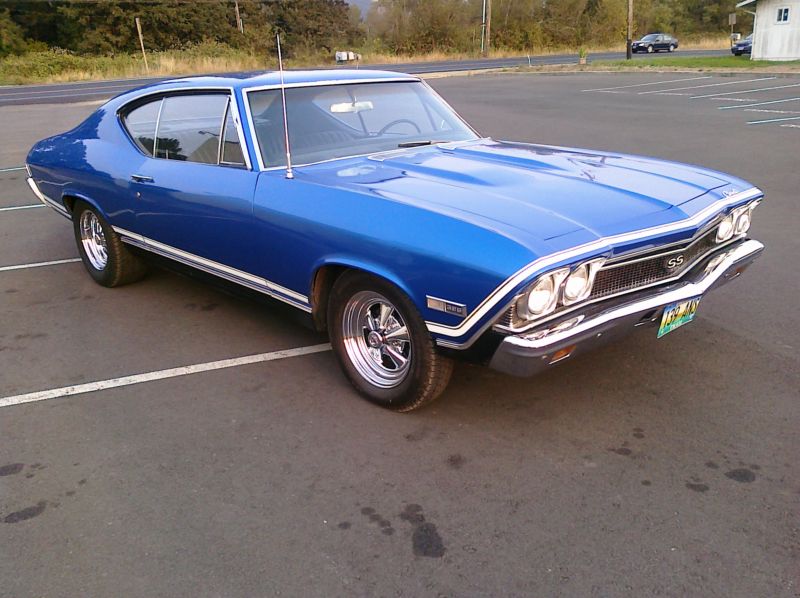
(564,286)
(736,223)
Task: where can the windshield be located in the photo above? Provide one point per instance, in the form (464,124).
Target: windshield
(335,121)
(650,38)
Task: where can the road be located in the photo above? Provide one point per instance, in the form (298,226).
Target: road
(649,468)
(94,90)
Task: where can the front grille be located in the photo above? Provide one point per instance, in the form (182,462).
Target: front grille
(634,272)
(619,278)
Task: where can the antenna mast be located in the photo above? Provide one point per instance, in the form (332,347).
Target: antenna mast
(289,173)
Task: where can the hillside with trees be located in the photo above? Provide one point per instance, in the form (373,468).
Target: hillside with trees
(60,36)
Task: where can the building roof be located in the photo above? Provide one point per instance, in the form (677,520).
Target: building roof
(745,3)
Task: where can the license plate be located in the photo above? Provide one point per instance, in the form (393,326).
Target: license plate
(678,314)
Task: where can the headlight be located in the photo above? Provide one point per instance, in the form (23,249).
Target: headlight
(725,228)
(542,296)
(578,285)
(743,222)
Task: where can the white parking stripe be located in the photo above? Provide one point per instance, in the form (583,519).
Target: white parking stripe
(768,111)
(39,264)
(760,103)
(790,126)
(651,83)
(12,169)
(772,120)
(642,93)
(733,93)
(66,391)
(12,208)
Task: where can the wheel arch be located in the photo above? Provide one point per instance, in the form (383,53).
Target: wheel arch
(70,198)
(327,272)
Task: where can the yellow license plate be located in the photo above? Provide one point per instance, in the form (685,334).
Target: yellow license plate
(678,314)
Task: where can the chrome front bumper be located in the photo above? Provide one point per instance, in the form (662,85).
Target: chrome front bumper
(530,353)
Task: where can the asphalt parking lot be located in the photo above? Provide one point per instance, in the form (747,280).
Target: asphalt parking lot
(651,467)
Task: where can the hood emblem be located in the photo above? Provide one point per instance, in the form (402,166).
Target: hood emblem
(730,192)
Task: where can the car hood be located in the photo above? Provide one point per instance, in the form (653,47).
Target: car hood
(532,193)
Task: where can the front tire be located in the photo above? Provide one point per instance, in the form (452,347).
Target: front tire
(383,345)
(650,49)
(672,48)
(104,256)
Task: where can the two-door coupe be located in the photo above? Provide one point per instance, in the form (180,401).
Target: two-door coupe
(406,235)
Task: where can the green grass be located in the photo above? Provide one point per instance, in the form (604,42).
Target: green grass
(698,62)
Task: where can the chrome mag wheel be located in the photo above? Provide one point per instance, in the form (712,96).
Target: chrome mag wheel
(93,240)
(376,339)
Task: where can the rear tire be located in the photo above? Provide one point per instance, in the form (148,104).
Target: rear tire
(383,345)
(103,253)
(672,48)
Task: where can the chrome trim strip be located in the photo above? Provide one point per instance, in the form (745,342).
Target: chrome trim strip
(598,245)
(238,276)
(46,200)
(158,124)
(692,289)
(572,308)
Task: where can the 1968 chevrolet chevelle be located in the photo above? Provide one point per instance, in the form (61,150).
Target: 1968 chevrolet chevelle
(406,235)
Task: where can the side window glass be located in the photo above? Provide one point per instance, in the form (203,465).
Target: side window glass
(231,153)
(189,128)
(141,124)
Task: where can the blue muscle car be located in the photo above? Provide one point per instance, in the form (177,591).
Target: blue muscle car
(397,228)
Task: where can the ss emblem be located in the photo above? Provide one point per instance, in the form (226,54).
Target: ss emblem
(674,262)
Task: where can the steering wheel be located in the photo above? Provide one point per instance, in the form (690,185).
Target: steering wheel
(399,121)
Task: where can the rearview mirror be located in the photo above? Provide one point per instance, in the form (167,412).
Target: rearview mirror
(351,108)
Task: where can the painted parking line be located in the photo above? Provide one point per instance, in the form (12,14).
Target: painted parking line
(66,391)
(768,111)
(761,103)
(733,93)
(29,207)
(12,169)
(790,126)
(772,120)
(39,264)
(645,84)
(643,93)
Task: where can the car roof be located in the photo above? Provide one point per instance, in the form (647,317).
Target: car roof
(271,78)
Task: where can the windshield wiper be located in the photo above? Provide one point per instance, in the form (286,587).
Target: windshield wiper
(419,143)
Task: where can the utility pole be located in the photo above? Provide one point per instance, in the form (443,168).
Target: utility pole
(239,24)
(141,43)
(483,30)
(629,39)
(488,26)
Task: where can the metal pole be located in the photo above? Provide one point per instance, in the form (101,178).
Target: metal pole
(629,39)
(141,43)
(488,26)
(483,29)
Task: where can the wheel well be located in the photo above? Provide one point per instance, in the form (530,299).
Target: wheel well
(69,202)
(324,280)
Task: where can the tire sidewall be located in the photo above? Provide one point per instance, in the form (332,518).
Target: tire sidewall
(105,276)
(405,393)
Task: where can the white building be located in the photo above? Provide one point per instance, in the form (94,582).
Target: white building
(776,30)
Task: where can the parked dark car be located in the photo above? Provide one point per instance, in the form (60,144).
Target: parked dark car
(398,229)
(744,46)
(655,42)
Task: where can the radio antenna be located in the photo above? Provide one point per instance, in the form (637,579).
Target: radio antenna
(289,173)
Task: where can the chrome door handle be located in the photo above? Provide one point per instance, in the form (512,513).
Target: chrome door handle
(140,178)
